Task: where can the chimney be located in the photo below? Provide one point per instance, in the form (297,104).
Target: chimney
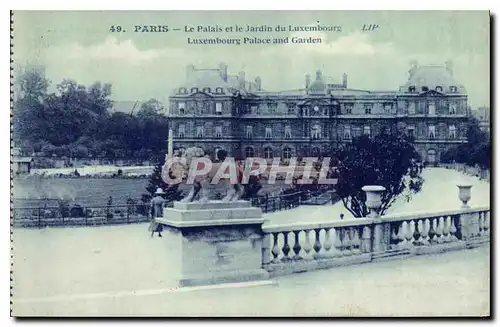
(413,67)
(344,80)
(319,77)
(308,81)
(241,79)
(189,70)
(223,71)
(449,66)
(259,83)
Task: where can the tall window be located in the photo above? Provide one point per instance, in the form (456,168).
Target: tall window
(288,132)
(411,108)
(182,108)
(316,131)
(268,153)
(368,108)
(255,110)
(452,132)
(411,131)
(387,108)
(272,107)
(269,132)
(432,132)
(325,111)
(287,153)
(347,132)
(367,130)
(452,108)
(218,108)
(181,131)
(249,152)
(291,110)
(199,131)
(249,132)
(432,108)
(348,108)
(218,131)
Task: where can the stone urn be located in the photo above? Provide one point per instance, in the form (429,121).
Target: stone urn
(464,191)
(373,198)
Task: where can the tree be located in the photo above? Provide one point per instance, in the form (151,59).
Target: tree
(172,192)
(387,160)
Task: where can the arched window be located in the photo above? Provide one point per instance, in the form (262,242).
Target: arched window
(219,90)
(425,89)
(439,89)
(287,153)
(249,152)
(268,152)
(411,89)
(194,90)
(206,90)
(182,90)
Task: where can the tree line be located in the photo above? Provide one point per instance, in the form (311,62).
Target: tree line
(76,121)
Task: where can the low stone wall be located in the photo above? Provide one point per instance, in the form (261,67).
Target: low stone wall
(483,174)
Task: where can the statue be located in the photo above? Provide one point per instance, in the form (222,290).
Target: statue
(200,190)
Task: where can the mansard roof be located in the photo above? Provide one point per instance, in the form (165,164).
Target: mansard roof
(432,76)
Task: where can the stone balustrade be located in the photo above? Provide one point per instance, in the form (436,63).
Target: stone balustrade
(303,247)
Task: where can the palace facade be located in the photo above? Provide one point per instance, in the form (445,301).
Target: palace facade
(215,110)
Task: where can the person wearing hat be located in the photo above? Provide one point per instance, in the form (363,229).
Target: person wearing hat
(157,204)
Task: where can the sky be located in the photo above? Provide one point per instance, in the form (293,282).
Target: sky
(141,65)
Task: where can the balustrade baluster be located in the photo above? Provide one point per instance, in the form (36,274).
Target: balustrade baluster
(286,247)
(424,233)
(417,235)
(296,246)
(276,249)
(355,241)
(307,244)
(481,223)
(317,243)
(410,230)
(346,242)
(439,230)
(446,229)
(432,231)
(401,235)
(394,236)
(337,243)
(487,222)
(327,244)
(453,229)
(366,240)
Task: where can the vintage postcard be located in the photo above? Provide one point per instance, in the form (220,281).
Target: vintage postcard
(250,163)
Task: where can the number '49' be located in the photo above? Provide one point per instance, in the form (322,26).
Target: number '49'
(114,28)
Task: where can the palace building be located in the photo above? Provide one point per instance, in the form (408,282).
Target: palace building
(215,110)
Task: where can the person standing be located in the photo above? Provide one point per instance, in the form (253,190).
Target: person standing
(157,204)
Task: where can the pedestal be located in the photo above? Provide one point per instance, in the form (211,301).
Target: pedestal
(214,242)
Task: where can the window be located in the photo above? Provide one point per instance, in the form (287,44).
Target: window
(348,108)
(411,131)
(206,90)
(368,108)
(218,131)
(199,131)
(411,89)
(194,90)
(287,153)
(254,110)
(249,132)
(182,90)
(288,132)
(367,130)
(432,132)
(387,108)
(453,89)
(272,108)
(411,108)
(182,108)
(316,132)
(452,132)
(218,108)
(249,152)
(432,108)
(268,153)
(347,132)
(291,110)
(315,152)
(218,90)
(182,131)
(452,108)
(269,132)
(425,89)
(325,111)
(439,89)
